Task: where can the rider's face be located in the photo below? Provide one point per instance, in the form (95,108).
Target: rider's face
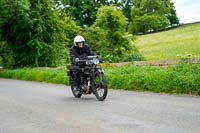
(80,44)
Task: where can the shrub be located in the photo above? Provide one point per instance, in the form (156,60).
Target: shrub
(109,31)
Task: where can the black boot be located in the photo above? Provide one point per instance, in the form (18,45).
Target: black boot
(76,86)
(76,72)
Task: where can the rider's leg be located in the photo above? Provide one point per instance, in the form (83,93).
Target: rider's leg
(76,72)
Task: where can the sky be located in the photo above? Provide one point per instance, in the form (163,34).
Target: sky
(188,11)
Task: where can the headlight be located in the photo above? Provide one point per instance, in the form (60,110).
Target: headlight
(96,61)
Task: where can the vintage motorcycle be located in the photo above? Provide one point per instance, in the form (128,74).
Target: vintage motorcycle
(92,79)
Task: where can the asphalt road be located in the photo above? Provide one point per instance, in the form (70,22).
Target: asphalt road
(31,107)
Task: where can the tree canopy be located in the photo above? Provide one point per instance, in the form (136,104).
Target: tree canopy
(39,32)
(151,15)
(85,11)
(109,30)
(36,32)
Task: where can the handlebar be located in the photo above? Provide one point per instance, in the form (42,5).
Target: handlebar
(94,60)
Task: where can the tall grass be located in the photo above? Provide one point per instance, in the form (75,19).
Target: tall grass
(183,79)
(166,45)
(180,79)
(49,75)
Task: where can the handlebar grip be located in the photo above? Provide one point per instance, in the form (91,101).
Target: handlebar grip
(101,61)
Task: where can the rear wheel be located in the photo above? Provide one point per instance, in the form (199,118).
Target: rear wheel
(100,87)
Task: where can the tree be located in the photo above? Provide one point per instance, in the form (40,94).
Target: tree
(147,23)
(172,16)
(124,5)
(126,8)
(53,34)
(110,29)
(4,54)
(35,32)
(15,28)
(83,11)
(150,15)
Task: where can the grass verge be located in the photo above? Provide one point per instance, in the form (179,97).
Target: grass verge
(179,79)
(49,75)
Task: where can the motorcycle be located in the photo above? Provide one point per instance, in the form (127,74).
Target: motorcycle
(92,79)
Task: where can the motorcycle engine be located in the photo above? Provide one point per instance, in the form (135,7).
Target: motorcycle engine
(86,87)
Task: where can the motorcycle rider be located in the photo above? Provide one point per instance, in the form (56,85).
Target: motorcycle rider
(79,51)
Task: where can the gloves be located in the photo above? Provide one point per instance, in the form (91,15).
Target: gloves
(76,59)
(101,61)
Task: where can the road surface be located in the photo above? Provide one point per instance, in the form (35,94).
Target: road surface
(31,107)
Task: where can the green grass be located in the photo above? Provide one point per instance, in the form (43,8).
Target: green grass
(49,75)
(180,79)
(166,45)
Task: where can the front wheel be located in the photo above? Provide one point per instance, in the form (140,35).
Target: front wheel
(75,92)
(100,87)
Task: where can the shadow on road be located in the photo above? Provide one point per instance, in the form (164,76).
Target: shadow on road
(82,99)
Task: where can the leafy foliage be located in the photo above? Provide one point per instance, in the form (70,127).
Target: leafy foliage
(83,11)
(4,54)
(152,15)
(173,16)
(15,28)
(108,31)
(147,23)
(36,32)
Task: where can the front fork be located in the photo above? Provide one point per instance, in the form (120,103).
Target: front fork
(95,71)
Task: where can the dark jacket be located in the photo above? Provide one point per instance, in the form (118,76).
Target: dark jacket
(80,53)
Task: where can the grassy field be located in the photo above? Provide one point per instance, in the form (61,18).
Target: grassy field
(166,45)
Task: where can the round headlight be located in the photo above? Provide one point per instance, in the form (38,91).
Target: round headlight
(96,61)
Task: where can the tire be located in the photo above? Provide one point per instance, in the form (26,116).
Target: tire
(75,93)
(100,84)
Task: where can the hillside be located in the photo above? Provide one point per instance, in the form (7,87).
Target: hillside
(166,45)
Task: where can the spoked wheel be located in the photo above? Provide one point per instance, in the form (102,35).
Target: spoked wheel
(75,92)
(100,87)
